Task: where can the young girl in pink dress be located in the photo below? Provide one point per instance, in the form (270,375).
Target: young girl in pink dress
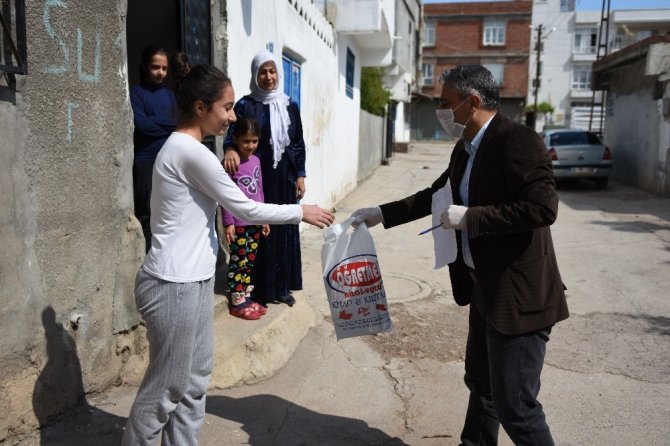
(244,238)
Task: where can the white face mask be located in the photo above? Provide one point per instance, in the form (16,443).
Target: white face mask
(446,118)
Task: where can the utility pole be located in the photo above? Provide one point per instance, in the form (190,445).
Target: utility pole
(536,81)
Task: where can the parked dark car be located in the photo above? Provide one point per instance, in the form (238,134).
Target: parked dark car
(577,154)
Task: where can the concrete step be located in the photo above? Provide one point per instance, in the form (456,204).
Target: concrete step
(246,352)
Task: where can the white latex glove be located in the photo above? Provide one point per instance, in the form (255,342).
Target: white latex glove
(371,217)
(454,217)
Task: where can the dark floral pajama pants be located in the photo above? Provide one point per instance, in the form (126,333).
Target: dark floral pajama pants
(241,264)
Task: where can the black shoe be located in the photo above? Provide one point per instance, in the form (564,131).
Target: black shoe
(262,303)
(288,300)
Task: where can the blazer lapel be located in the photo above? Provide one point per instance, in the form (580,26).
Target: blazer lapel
(460,161)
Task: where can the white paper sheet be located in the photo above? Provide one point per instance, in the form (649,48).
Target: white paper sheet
(444,240)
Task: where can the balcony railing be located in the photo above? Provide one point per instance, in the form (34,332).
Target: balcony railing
(584,50)
(622,42)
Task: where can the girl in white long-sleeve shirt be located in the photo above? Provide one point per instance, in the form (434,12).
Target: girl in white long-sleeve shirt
(174,286)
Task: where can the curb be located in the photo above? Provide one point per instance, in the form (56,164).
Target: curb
(246,352)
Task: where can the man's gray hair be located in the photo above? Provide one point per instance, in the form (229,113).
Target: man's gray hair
(473,79)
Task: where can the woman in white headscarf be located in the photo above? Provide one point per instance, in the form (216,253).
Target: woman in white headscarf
(281,149)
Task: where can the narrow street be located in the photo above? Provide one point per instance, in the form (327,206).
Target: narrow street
(607,375)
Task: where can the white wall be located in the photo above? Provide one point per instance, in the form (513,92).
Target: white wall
(330,118)
(556,58)
(400,76)
(341,162)
(402,129)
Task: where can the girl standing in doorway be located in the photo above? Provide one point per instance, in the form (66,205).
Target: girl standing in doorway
(154,116)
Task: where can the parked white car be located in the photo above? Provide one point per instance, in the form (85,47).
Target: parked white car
(577,154)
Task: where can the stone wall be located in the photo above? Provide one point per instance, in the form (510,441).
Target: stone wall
(71,246)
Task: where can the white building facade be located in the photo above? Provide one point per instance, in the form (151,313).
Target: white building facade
(569,48)
(401,75)
(324,44)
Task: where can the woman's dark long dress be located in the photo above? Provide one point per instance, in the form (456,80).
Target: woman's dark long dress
(278,268)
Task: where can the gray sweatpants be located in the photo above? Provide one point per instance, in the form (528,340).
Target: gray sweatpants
(179,318)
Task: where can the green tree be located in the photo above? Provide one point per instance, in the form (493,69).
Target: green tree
(374,96)
(542,107)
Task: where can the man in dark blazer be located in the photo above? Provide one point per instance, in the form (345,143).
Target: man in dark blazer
(504,202)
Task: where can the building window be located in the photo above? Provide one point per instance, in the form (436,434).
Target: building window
(291,77)
(581,77)
(494,32)
(567,5)
(351,63)
(586,41)
(429,34)
(13,43)
(497,70)
(427,74)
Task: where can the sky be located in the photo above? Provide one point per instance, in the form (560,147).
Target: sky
(596,5)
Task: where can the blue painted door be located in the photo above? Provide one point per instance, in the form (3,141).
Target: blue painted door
(291,78)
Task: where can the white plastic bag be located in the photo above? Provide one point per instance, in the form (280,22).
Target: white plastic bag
(353,281)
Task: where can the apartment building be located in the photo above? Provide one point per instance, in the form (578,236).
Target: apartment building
(493,34)
(401,77)
(569,47)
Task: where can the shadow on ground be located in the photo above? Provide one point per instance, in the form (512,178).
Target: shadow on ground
(270,420)
(617,198)
(633,226)
(84,425)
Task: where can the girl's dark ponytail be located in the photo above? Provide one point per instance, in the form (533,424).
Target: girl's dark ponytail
(178,65)
(204,83)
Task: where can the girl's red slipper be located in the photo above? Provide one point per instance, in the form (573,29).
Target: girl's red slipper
(247,312)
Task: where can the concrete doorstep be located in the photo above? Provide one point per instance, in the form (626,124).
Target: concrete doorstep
(247,352)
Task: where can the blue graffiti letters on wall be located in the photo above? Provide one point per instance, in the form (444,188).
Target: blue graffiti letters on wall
(56,69)
(96,73)
(91,75)
(65,49)
(71,106)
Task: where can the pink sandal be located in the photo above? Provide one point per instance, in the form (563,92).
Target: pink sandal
(260,309)
(248,313)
